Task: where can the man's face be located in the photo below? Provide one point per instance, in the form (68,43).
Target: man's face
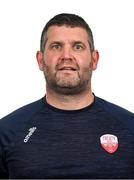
(67,61)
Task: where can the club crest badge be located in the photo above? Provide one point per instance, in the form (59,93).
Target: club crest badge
(109,142)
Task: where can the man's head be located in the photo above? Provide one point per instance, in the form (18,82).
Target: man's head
(67,56)
(70,20)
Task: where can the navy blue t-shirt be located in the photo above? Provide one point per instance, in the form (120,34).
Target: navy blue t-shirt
(41,141)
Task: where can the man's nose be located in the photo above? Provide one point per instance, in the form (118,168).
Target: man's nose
(66,53)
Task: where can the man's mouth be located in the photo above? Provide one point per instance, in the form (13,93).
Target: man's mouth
(67,68)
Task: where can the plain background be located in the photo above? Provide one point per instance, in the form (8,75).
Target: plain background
(21,24)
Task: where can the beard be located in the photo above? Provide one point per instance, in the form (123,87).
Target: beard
(68,85)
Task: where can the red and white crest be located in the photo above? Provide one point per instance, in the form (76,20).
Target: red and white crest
(109,142)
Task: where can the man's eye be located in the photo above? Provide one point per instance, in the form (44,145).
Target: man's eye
(78,47)
(56,46)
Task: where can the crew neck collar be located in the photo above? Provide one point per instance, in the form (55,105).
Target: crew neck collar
(53,108)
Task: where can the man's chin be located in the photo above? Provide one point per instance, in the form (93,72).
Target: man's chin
(68,90)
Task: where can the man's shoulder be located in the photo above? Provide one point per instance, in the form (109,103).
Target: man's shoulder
(117,112)
(22,114)
(114,108)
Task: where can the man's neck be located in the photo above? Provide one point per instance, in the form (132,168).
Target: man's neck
(69,102)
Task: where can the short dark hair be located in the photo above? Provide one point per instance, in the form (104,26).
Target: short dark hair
(70,20)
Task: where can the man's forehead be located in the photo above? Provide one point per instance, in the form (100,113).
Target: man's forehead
(63,32)
(65,28)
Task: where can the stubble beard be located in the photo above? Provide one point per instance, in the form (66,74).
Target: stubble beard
(68,86)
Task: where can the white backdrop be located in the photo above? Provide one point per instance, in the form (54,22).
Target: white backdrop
(21,23)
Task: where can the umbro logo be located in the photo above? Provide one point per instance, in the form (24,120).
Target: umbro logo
(31,131)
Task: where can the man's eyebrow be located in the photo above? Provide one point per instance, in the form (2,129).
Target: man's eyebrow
(56,42)
(78,42)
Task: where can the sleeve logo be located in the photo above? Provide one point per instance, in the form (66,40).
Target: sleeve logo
(31,131)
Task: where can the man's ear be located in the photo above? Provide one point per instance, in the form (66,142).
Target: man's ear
(39,57)
(95,58)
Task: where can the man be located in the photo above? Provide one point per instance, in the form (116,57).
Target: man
(69,133)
